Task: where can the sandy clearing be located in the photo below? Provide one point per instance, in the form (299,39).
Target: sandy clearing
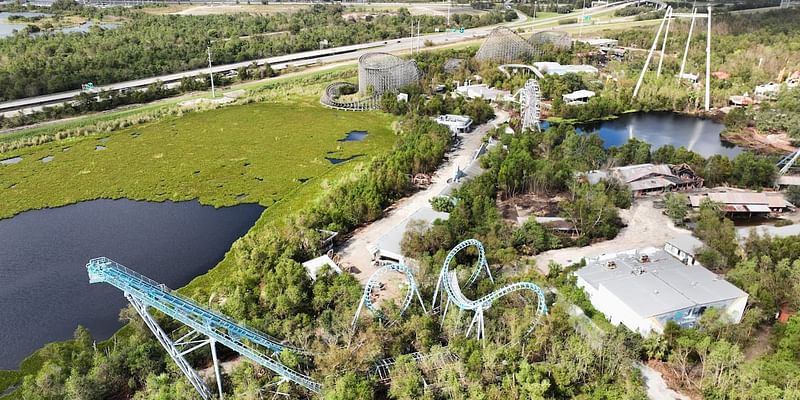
(646,227)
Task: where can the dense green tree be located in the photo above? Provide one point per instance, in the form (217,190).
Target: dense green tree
(407,381)
(719,236)
(350,386)
(145,45)
(750,170)
(533,238)
(677,207)
(591,211)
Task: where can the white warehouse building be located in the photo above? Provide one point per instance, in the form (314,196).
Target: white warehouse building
(644,289)
(456,123)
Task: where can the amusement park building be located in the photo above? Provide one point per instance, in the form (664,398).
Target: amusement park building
(600,43)
(549,67)
(456,123)
(644,289)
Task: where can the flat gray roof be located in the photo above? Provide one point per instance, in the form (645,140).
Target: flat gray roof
(773,231)
(659,286)
(390,241)
(688,243)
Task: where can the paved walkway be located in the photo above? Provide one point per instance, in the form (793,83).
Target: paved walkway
(355,250)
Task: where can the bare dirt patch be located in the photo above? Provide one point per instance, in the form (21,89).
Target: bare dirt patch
(673,380)
(519,208)
(760,345)
(769,143)
(646,226)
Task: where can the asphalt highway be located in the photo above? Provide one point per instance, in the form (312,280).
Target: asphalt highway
(331,55)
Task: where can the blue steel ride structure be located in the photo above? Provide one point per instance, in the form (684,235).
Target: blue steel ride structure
(787,162)
(143,292)
(448,282)
(373,283)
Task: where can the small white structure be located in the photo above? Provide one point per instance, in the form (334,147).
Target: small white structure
(684,248)
(600,43)
(482,91)
(694,78)
(767,91)
(313,266)
(644,289)
(793,80)
(579,97)
(402,97)
(456,123)
(548,67)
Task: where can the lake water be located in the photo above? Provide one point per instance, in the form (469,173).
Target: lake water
(663,128)
(44,288)
(354,136)
(7,28)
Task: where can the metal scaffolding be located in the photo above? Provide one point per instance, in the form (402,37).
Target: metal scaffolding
(558,39)
(504,46)
(378,73)
(205,327)
(333,92)
(383,72)
(786,163)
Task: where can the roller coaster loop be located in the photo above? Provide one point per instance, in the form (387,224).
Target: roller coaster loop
(374,283)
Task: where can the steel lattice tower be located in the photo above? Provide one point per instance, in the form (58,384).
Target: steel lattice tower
(558,39)
(530,98)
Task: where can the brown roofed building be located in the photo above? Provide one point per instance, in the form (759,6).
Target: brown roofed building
(746,204)
(644,179)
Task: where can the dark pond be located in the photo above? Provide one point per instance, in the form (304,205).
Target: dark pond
(663,128)
(335,161)
(9,161)
(354,136)
(44,287)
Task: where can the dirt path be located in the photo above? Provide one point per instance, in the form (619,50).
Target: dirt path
(647,227)
(657,388)
(355,251)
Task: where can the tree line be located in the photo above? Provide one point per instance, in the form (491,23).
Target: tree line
(146,45)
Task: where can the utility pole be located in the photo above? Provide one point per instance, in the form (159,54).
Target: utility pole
(210,71)
(448,12)
(419,23)
(708,63)
(412,36)
(583,19)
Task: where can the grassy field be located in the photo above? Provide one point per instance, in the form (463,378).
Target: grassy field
(255,153)
(271,152)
